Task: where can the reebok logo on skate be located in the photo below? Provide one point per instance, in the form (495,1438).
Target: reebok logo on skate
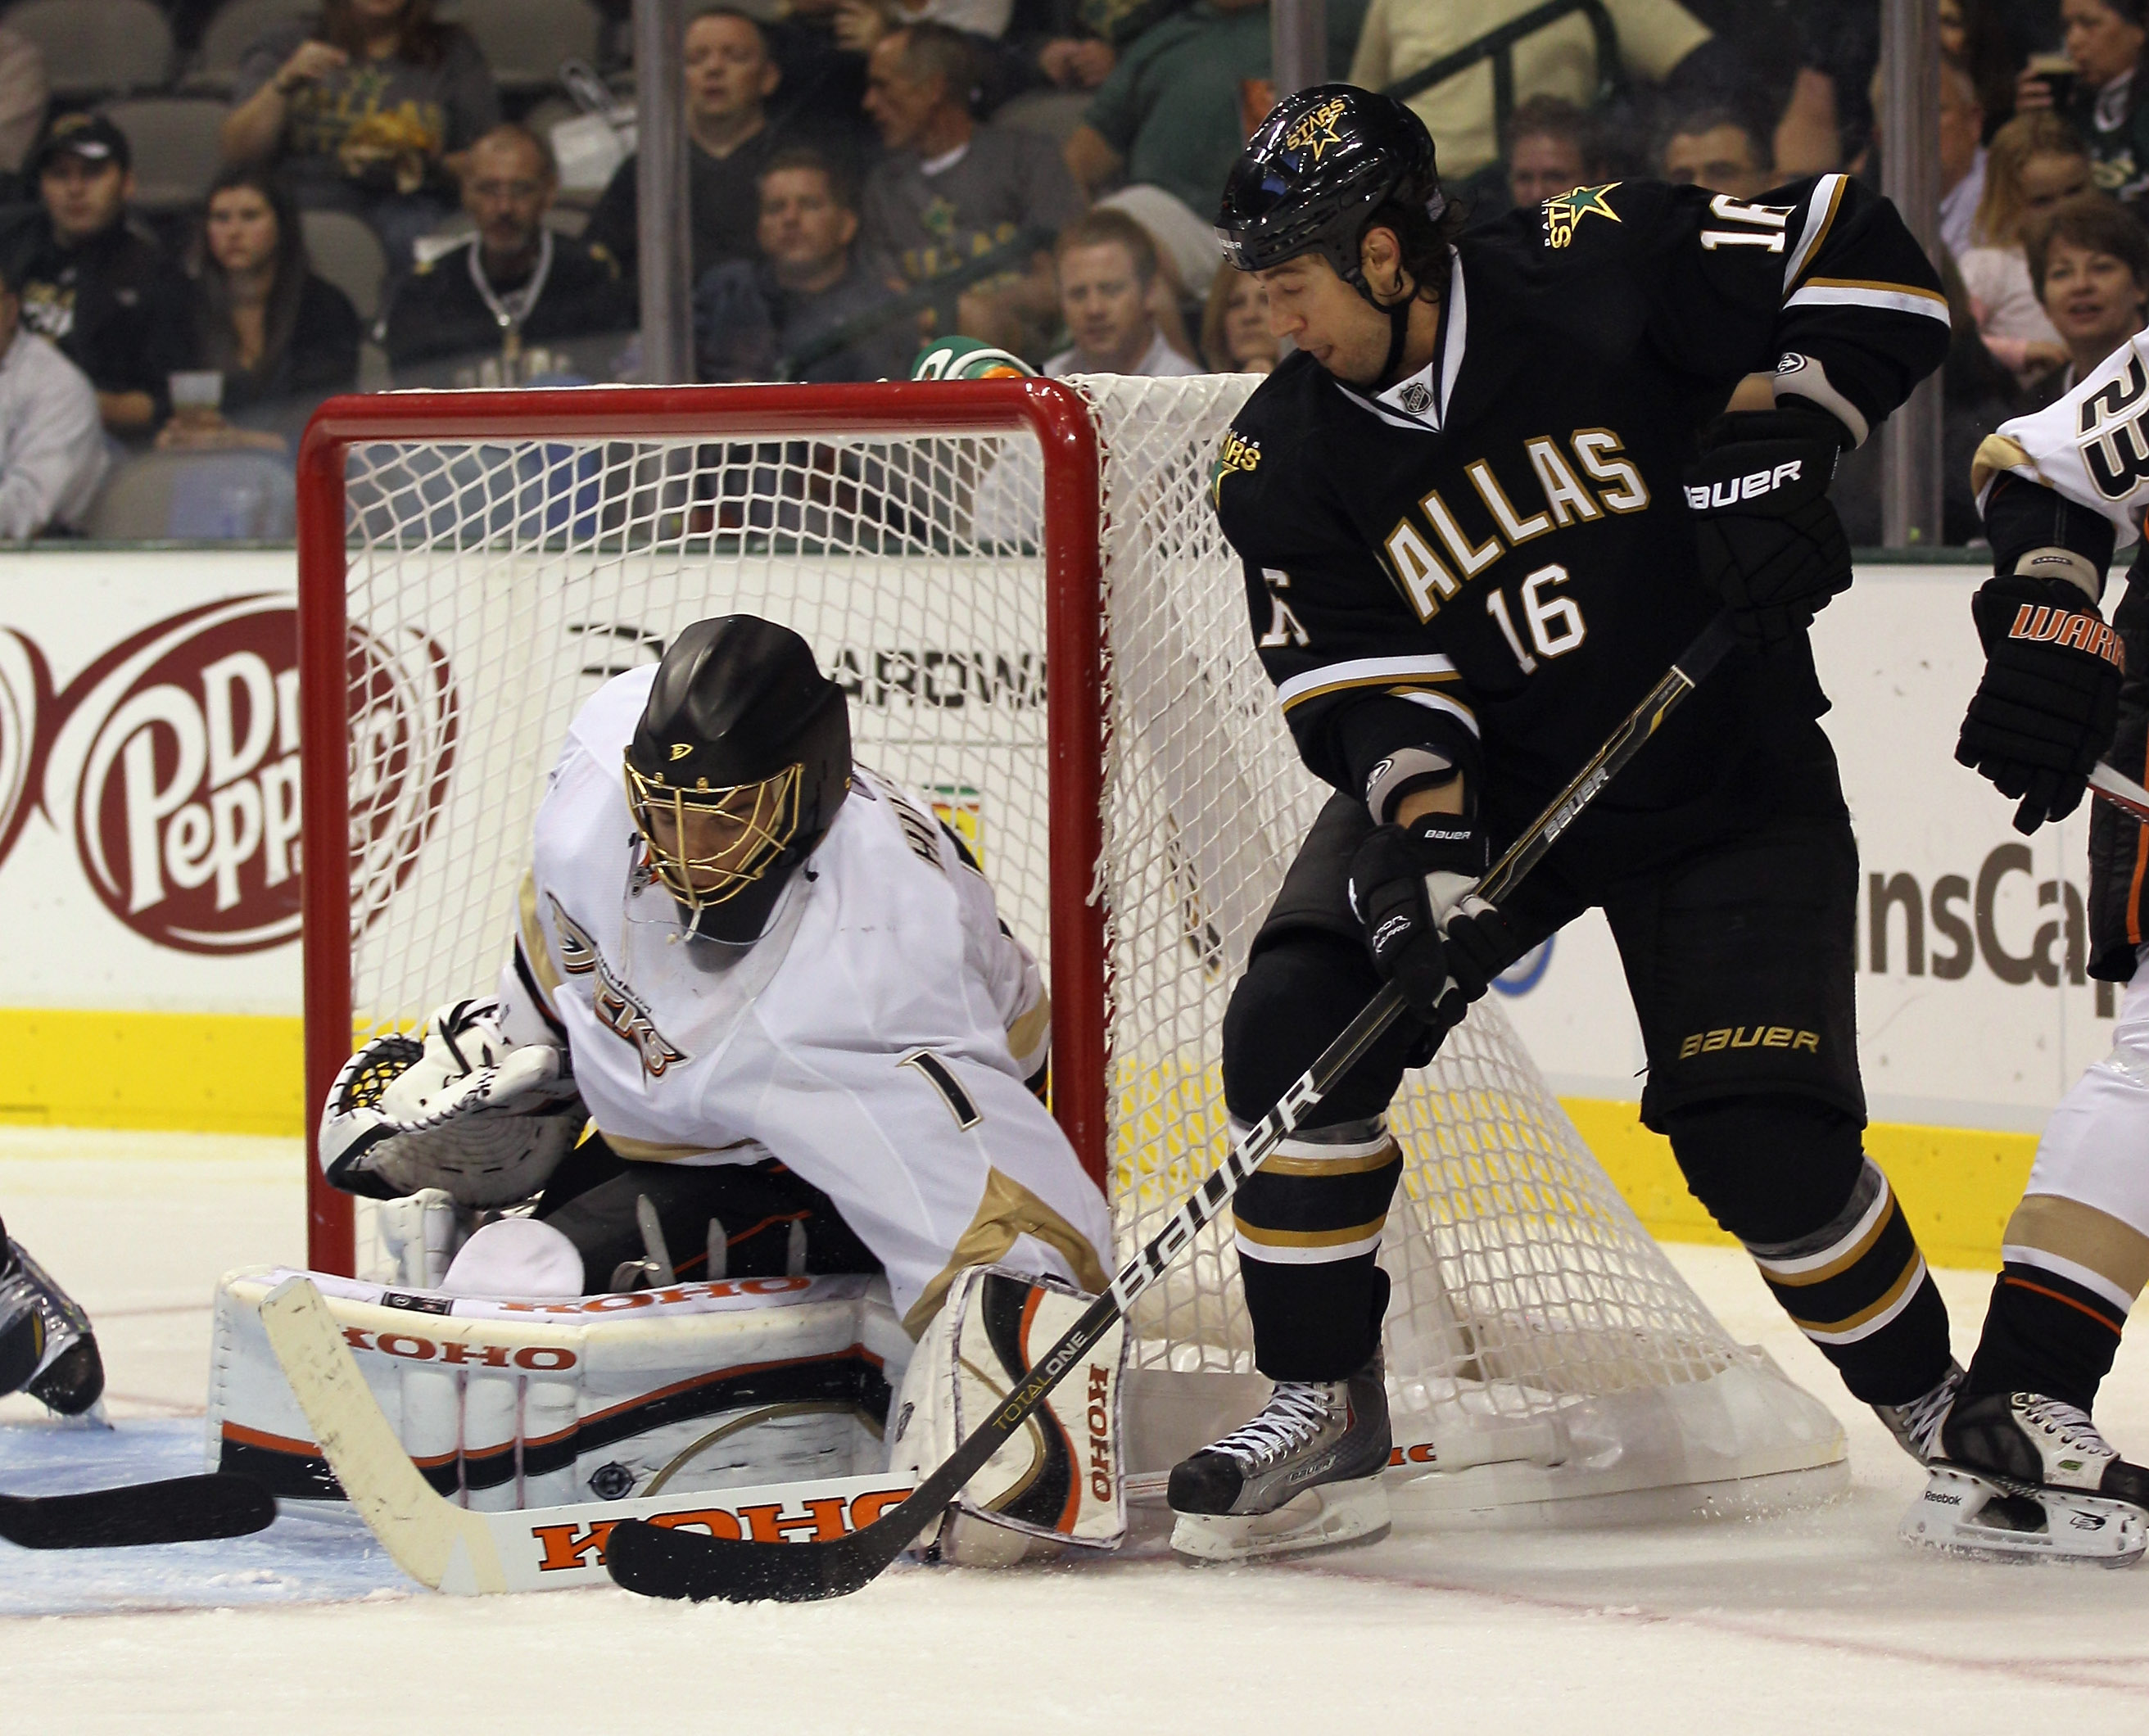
(2070,628)
(1708,496)
(1755,1036)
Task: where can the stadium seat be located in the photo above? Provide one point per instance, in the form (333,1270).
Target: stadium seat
(214,496)
(525,40)
(97,47)
(238,25)
(346,252)
(177,147)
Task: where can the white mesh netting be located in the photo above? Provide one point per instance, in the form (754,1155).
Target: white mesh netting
(491,588)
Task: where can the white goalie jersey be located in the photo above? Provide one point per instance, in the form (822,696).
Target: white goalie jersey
(876,1040)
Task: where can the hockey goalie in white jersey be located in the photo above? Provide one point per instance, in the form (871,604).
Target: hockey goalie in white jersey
(780,993)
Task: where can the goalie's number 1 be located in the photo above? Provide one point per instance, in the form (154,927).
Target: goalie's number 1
(1555,622)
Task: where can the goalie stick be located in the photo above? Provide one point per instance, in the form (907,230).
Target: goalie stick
(178,1510)
(659,1562)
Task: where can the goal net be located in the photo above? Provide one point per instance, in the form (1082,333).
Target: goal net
(1022,588)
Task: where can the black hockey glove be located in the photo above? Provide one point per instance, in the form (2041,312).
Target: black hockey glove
(1769,539)
(2050,699)
(1428,934)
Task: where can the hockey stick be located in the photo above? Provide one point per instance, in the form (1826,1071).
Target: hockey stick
(668,1564)
(2121,790)
(178,1510)
(435,1542)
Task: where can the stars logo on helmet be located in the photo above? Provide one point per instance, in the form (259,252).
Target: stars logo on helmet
(1316,131)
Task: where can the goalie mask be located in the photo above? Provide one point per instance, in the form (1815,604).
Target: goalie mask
(740,760)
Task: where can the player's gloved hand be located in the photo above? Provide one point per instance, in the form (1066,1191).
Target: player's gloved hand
(2049,702)
(1428,932)
(1769,539)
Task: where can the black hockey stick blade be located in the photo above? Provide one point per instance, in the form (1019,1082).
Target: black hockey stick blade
(659,1561)
(179,1510)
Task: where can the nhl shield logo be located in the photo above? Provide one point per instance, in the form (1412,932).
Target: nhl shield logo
(1416,397)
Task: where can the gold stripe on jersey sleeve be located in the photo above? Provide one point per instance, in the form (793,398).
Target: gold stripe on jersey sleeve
(1423,683)
(534,948)
(1996,453)
(1029,1027)
(1879,287)
(648,1151)
(1809,245)
(1006,1210)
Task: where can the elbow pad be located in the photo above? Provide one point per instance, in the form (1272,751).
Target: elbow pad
(2037,533)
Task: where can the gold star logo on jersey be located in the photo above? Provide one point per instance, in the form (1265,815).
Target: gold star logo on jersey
(1562,215)
(1316,131)
(1234,455)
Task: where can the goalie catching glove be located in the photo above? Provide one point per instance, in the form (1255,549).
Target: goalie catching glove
(1769,539)
(1413,888)
(2049,702)
(466,1109)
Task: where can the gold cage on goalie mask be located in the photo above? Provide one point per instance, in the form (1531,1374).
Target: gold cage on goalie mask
(740,830)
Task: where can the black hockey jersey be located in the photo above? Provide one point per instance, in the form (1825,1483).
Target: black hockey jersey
(1495,558)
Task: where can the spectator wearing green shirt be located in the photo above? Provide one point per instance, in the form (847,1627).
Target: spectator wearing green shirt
(1171,113)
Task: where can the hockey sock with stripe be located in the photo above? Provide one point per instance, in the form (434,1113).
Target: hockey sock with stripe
(1308,1223)
(2044,1333)
(1789,1177)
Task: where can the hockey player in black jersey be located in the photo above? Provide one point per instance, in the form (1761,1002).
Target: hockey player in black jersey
(1481,509)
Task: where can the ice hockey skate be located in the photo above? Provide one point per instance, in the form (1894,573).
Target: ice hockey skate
(44,1331)
(1303,1474)
(1917,1426)
(2022,1477)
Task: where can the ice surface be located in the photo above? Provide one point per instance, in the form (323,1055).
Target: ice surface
(1813,1620)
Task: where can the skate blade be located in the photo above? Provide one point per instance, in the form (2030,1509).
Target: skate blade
(1997,1521)
(1328,1516)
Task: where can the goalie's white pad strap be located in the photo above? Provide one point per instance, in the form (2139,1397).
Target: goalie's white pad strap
(540,1403)
(1059,1477)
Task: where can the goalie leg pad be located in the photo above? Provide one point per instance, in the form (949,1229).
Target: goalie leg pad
(528,1403)
(1057,1481)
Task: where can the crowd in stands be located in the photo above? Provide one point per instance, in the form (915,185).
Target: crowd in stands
(378,197)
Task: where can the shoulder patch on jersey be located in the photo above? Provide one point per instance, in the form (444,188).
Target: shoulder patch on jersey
(1237,453)
(619,1010)
(1563,215)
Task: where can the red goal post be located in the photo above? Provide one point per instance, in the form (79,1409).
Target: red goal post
(1055,414)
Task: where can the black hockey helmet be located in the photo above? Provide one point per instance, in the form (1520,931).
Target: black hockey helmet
(736,769)
(1325,159)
